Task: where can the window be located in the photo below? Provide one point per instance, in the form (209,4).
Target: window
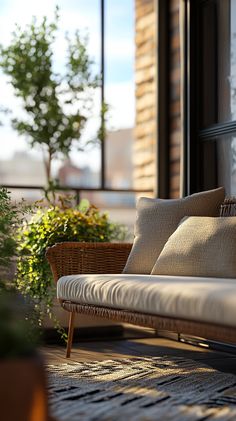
(211,94)
(20,165)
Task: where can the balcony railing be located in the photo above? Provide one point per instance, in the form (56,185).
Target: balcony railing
(77,190)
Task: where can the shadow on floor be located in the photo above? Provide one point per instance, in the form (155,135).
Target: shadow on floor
(148,347)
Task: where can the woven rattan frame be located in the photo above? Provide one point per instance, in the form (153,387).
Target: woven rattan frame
(75,258)
(204,330)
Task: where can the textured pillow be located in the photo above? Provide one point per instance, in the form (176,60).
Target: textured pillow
(157,219)
(201,246)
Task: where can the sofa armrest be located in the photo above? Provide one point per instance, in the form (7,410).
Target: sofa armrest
(228,207)
(70,258)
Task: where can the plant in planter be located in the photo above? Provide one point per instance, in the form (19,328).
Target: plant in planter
(13,319)
(18,356)
(20,360)
(53,225)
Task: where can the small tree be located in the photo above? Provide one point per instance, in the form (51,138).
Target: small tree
(57,105)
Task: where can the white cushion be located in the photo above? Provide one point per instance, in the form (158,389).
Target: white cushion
(201,246)
(157,219)
(193,298)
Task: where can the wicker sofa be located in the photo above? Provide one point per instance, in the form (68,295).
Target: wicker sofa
(202,317)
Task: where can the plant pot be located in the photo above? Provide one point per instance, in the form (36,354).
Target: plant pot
(23,395)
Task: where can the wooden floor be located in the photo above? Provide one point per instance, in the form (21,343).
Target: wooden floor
(139,343)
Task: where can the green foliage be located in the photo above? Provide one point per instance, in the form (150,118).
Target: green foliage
(8,219)
(18,335)
(11,216)
(82,223)
(57,106)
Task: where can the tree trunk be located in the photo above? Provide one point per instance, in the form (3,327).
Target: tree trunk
(48,165)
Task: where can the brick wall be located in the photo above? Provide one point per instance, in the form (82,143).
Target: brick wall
(145,134)
(145,68)
(174,106)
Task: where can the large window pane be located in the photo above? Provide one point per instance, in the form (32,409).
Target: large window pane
(120,91)
(219,163)
(226,150)
(217,61)
(22,165)
(19,163)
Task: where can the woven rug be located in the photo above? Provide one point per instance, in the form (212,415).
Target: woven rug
(141,389)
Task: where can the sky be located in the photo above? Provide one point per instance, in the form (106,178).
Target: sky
(119,62)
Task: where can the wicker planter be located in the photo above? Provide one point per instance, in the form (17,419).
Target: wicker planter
(23,394)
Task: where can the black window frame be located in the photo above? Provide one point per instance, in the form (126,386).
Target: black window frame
(193,136)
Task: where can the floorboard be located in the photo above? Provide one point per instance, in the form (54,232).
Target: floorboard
(131,346)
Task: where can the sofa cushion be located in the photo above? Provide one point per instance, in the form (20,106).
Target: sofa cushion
(201,246)
(200,299)
(157,219)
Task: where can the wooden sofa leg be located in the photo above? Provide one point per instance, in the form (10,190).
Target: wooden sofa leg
(70,334)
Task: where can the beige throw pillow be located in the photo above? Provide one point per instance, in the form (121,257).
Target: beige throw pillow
(157,219)
(201,246)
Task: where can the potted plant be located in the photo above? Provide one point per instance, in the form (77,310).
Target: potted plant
(51,225)
(22,387)
(23,393)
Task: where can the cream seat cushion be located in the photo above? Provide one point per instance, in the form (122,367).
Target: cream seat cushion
(201,246)
(192,298)
(157,219)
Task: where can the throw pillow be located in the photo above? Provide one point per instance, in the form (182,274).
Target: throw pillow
(157,219)
(201,246)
